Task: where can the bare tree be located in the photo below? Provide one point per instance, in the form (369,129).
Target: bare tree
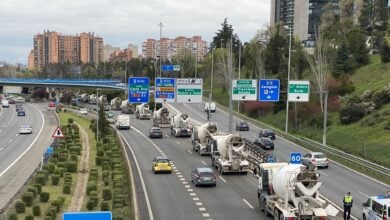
(319,64)
(186,59)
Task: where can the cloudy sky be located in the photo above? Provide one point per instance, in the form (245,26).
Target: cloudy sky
(120,22)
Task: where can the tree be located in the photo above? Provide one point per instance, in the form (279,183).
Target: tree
(186,59)
(385,52)
(253,57)
(103,123)
(339,63)
(356,46)
(274,52)
(224,35)
(319,65)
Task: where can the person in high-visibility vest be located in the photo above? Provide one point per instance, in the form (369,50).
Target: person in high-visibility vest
(348,201)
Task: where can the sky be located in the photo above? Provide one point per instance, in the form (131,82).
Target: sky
(121,22)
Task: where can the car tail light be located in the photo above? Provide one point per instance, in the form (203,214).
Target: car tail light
(289,218)
(313,160)
(384,215)
(322,218)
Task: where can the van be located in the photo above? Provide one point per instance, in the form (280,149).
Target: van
(122,122)
(377,207)
(5,103)
(211,105)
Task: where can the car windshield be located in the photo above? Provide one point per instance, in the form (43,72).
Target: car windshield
(319,156)
(206,173)
(25,126)
(267,141)
(162,161)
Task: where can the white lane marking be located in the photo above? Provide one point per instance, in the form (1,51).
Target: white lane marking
(180,176)
(205,214)
(189,151)
(167,136)
(323,173)
(1,131)
(364,194)
(185,182)
(222,179)
(187,186)
(182,179)
(195,199)
(178,173)
(28,148)
(203,162)
(140,175)
(190,190)
(250,206)
(177,142)
(198,203)
(2,148)
(10,141)
(16,135)
(202,209)
(192,194)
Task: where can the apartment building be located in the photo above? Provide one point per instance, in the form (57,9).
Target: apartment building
(51,47)
(302,16)
(167,48)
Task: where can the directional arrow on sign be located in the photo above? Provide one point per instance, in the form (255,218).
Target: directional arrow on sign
(189,100)
(268,97)
(298,97)
(243,97)
(138,99)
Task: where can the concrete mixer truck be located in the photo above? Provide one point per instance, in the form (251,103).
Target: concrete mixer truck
(180,126)
(228,155)
(291,191)
(161,118)
(116,103)
(201,137)
(142,111)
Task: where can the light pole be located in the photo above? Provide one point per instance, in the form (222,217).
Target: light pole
(195,47)
(239,71)
(288,77)
(126,95)
(325,117)
(97,119)
(161,26)
(212,71)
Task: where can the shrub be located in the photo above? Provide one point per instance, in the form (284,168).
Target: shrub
(28,198)
(59,171)
(66,188)
(13,216)
(55,179)
(57,204)
(91,204)
(73,157)
(20,206)
(104,206)
(41,179)
(106,194)
(387,126)
(351,113)
(117,214)
(38,187)
(91,187)
(50,167)
(71,166)
(70,121)
(29,217)
(44,197)
(33,190)
(36,210)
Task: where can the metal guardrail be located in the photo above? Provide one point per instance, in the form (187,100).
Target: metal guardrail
(368,165)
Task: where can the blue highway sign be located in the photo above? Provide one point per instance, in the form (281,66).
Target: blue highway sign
(167,68)
(165,90)
(269,90)
(87,216)
(139,89)
(49,150)
(295,158)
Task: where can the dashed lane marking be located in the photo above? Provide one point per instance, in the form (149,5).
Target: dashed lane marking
(190,190)
(202,209)
(364,194)
(187,186)
(182,179)
(250,206)
(205,214)
(1,148)
(195,199)
(189,151)
(180,176)
(177,142)
(185,182)
(222,179)
(203,162)
(167,136)
(10,141)
(192,194)
(198,203)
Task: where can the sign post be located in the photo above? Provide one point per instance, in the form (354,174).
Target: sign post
(269,90)
(244,90)
(164,90)
(57,134)
(139,89)
(189,90)
(298,91)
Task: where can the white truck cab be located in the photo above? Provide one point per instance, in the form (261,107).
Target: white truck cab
(377,207)
(211,106)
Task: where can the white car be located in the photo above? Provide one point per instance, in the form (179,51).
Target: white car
(317,159)
(377,207)
(25,129)
(83,111)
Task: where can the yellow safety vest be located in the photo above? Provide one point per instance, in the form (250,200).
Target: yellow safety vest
(348,199)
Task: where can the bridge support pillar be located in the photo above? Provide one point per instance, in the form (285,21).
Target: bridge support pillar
(58,95)
(48,89)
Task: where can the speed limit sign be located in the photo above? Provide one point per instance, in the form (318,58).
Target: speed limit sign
(295,158)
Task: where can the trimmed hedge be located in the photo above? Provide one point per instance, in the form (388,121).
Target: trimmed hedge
(28,198)
(36,210)
(44,197)
(20,206)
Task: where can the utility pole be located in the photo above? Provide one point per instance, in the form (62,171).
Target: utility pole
(212,71)
(126,95)
(288,79)
(239,72)
(161,26)
(325,118)
(230,69)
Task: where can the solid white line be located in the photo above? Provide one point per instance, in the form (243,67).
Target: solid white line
(364,194)
(189,151)
(222,179)
(28,148)
(140,174)
(250,206)
(203,162)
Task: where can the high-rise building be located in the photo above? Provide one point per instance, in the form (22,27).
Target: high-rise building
(121,55)
(134,50)
(167,48)
(302,16)
(51,47)
(108,50)
(30,63)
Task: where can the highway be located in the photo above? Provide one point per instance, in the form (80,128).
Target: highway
(337,179)
(12,143)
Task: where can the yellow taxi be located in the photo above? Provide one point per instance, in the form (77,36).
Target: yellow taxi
(162,164)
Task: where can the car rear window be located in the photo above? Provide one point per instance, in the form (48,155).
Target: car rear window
(319,156)
(243,123)
(156,129)
(206,173)
(268,132)
(267,141)
(162,161)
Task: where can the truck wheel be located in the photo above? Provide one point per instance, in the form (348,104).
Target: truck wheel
(364,217)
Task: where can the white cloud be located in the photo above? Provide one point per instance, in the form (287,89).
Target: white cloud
(124,21)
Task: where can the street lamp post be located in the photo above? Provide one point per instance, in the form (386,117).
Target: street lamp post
(288,77)
(161,26)
(239,71)
(196,57)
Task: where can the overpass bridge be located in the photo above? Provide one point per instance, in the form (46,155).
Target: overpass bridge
(102,84)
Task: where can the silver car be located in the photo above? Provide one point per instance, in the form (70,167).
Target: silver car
(25,129)
(317,159)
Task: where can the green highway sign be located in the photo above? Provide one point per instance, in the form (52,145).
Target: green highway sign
(244,89)
(189,90)
(298,91)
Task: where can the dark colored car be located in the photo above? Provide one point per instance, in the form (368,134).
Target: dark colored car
(203,176)
(265,143)
(21,113)
(155,132)
(19,107)
(267,133)
(11,101)
(242,126)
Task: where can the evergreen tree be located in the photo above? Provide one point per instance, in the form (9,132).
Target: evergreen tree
(274,52)
(356,46)
(224,35)
(339,63)
(385,52)
(103,123)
